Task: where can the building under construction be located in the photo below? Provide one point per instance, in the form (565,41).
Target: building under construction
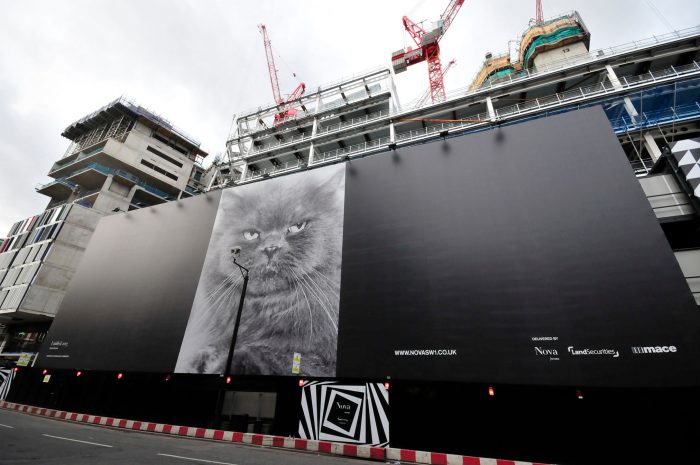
(649,89)
(515,286)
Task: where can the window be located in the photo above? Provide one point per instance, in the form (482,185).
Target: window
(164,156)
(158,169)
(169,143)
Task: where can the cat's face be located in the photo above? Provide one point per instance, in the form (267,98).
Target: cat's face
(276,244)
(285,235)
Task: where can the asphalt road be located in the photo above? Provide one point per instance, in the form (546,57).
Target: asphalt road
(31,439)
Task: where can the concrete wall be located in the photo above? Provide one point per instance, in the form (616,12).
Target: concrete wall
(689,261)
(568,52)
(134,150)
(113,195)
(666,197)
(46,292)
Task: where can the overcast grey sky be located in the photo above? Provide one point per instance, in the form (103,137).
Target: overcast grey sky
(199,62)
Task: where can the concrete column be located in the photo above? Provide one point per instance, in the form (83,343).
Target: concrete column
(108,183)
(651,146)
(311,155)
(130,196)
(394,94)
(244,171)
(492,111)
(617,85)
(318,102)
(392,133)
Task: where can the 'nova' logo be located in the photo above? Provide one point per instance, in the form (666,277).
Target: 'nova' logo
(612,352)
(541,351)
(342,406)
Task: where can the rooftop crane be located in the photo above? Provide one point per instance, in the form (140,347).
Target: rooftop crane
(426,94)
(427,49)
(284,104)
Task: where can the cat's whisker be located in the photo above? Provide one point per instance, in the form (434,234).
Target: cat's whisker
(323,306)
(227,285)
(216,304)
(324,292)
(333,285)
(223,283)
(327,287)
(306,297)
(229,281)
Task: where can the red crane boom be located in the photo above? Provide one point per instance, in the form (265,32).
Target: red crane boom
(427,49)
(539,16)
(286,111)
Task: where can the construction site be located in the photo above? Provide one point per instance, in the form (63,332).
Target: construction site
(470,232)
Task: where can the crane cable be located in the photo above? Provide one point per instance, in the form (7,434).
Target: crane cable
(660,15)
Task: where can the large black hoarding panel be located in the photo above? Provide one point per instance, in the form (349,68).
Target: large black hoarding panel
(127,306)
(524,254)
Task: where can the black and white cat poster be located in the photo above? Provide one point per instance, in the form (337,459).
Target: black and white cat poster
(290,234)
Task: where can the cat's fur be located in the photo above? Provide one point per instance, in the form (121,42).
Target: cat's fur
(290,234)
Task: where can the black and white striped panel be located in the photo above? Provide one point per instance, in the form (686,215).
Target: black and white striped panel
(6,377)
(687,154)
(345,413)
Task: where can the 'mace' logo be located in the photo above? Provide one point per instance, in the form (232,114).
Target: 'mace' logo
(654,350)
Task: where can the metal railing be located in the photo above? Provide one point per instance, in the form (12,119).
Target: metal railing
(267,171)
(313,91)
(539,105)
(62,181)
(654,118)
(578,60)
(87,152)
(126,175)
(571,98)
(355,149)
(352,122)
(142,111)
(322,131)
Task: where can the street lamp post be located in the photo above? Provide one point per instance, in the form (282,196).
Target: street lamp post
(235,253)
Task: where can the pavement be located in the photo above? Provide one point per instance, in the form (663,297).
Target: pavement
(34,439)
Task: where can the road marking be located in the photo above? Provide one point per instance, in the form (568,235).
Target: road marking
(76,440)
(7,426)
(196,460)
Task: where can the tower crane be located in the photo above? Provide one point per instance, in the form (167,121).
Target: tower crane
(284,104)
(426,94)
(427,49)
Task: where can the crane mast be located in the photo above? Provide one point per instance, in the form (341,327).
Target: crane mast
(272,69)
(284,104)
(424,97)
(427,49)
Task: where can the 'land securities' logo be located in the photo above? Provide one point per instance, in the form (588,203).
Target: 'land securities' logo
(55,345)
(654,350)
(609,352)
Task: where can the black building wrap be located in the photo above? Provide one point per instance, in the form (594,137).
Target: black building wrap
(526,254)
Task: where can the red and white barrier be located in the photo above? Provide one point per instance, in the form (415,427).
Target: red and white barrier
(326,447)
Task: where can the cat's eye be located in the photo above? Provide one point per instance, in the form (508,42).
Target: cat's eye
(251,235)
(295,228)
